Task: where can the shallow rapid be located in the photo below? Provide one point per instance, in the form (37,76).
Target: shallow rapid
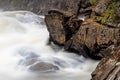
(25,54)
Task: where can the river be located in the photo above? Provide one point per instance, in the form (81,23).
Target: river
(25,54)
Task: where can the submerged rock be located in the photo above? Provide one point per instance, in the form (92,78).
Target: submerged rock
(43,67)
(34,63)
(87,38)
(108,68)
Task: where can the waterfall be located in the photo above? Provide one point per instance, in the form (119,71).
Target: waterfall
(25,54)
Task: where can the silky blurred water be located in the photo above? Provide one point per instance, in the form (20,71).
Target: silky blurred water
(23,43)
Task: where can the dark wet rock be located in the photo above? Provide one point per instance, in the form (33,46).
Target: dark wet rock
(60,12)
(92,38)
(108,68)
(85,8)
(43,67)
(109,50)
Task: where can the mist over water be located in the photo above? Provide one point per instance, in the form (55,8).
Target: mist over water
(25,55)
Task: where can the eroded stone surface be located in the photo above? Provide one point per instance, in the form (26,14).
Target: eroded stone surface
(108,68)
(93,37)
(61,25)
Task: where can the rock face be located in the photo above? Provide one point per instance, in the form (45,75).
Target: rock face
(88,38)
(94,38)
(91,37)
(108,68)
(61,25)
(40,6)
(107,12)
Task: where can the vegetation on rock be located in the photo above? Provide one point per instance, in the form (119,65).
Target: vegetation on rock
(109,14)
(93,2)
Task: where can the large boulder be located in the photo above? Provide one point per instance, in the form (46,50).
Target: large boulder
(34,63)
(61,25)
(92,38)
(108,68)
(55,28)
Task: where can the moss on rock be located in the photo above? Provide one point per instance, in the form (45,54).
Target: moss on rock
(109,15)
(93,2)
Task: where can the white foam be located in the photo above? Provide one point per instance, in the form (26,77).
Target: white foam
(22,30)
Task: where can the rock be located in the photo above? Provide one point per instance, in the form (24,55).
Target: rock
(61,25)
(109,50)
(107,12)
(85,8)
(55,28)
(40,6)
(92,38)
(43,6)
(101,7)
(108,68)
(60,12)
(33,62)
(43,67)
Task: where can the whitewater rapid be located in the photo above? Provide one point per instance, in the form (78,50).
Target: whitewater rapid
(23,44)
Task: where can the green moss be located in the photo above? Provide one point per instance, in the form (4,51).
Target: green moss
(109,15)
(93,2)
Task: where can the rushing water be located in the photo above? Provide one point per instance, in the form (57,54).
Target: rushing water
(25,55)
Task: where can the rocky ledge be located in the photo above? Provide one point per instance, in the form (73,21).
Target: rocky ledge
(94,31)
(85,37)
(109,67)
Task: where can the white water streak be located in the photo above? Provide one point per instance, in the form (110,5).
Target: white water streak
(22,30)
